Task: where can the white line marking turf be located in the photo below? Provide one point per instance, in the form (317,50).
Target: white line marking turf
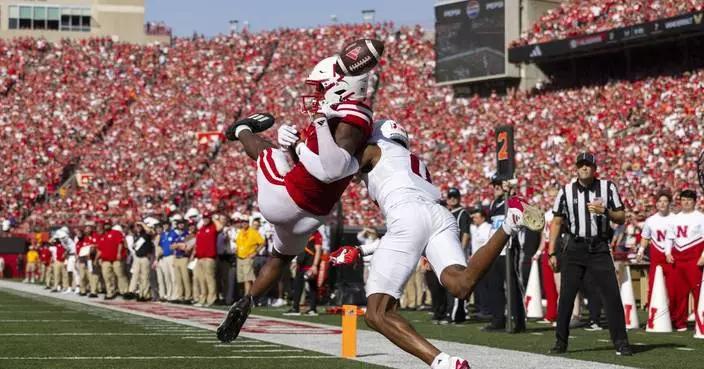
(160,357)
(372,347)
(684,349)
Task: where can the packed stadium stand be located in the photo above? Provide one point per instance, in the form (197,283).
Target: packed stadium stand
(579,17)
(142,121)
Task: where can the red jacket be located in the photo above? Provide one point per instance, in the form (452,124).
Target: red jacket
(108,245)
(206,241)
(45,255)
(60,252)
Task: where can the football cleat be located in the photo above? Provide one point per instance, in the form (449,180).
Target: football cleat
(520,213)
(230,328)
(454,363)
(258,122)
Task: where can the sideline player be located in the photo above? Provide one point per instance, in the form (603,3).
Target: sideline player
(687,231)
(655,234)
(297,200)
(417,225)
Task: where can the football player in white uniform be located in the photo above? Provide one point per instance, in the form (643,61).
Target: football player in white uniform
(417,225)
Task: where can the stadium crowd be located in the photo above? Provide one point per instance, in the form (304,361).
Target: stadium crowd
(575,17)
(195,258)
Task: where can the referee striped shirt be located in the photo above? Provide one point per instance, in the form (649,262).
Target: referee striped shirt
(571,205)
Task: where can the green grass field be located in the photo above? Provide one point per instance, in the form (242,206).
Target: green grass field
(41,332)
(651,350)
(38,332)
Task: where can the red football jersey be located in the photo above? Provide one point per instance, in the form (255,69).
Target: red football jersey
(308,192)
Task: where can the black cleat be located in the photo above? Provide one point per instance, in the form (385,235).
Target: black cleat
(559,348)
(257,122)
(623,349)
(230,328)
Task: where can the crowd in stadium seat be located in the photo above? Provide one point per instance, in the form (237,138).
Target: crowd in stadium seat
(577,17)
(129,116)
(157,28)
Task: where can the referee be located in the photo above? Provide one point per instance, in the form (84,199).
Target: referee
(587,205)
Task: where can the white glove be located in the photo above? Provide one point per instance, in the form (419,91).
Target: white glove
(288,135)
(329,111)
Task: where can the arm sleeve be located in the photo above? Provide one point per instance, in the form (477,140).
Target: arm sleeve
(614,202)
(646,233)
(332,162)
(464,222)
(560,206)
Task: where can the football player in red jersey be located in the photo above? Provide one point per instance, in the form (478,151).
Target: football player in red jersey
(297,199)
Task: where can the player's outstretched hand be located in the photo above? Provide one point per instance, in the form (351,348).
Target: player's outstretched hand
(288,136)
(345,255)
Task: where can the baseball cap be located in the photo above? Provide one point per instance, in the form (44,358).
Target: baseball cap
(586,157)
(495,179)
(453,192)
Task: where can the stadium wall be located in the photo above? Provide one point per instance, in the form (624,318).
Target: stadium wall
(531,12)
(121,19)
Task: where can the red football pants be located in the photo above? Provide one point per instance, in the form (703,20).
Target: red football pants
(549,287)
(686,277)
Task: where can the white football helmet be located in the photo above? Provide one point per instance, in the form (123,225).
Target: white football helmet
(391,130)
(333,87)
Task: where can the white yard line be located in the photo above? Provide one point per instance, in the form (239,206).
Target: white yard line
(25,358)
(372,347)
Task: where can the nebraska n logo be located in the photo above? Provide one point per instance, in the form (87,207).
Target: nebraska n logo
(354,53)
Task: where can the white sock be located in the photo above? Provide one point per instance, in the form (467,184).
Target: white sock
(241,128)
(442,359)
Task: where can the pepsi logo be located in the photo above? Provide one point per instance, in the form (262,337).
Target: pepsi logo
(473,9)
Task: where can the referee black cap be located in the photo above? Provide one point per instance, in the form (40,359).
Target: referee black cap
(587,158)
(496,179)
(453,192)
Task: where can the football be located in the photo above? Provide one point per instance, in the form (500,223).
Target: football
(359,57)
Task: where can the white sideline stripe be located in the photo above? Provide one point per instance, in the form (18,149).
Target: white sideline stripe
(684,349)
(89,334)
(208,336)
(245,346)
(265,350)
(45,320)
(160,357)
(603,340)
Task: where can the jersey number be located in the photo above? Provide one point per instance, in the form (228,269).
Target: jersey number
(415,167)
(503,141)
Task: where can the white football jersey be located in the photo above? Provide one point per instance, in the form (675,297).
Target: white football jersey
(398,176)
(655,229)
(686,229)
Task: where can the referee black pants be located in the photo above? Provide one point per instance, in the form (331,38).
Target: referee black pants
(578,259)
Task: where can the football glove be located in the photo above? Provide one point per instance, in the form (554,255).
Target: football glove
(345,255)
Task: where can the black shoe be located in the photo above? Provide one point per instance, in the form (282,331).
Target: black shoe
(93,296)
(558,348)
(257,122)
(623,349)
(493,328)
(519,329)
(230,328)
(82,294)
